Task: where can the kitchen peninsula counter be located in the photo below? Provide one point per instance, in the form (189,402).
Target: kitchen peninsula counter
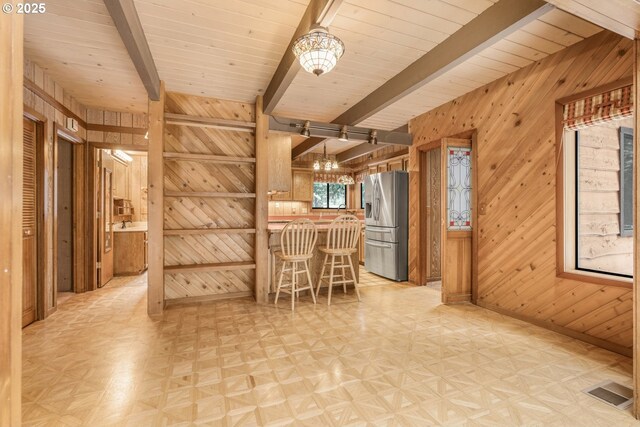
(275,265)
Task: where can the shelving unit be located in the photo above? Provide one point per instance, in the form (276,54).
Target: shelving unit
(209,199)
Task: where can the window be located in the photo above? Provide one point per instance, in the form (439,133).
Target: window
(626,182)
(362,195)
(599,198)
(329,196)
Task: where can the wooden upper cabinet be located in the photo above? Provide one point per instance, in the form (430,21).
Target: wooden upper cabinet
(303,186)
(121,180)
(279,163)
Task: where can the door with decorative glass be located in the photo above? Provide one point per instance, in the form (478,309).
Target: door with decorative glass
(447,201)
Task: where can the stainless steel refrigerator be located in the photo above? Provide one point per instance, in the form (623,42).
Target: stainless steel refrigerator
(386,217)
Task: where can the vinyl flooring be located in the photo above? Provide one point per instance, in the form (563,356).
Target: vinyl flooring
(398,358)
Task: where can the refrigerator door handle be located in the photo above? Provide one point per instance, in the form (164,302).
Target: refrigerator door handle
(378,245)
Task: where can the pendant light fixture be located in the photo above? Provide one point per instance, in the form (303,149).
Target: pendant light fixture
(325,162)
(318,51)
(346,180)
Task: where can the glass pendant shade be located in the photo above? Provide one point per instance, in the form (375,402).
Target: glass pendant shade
(334,165)
(318,51)
(316,165)
(327,165)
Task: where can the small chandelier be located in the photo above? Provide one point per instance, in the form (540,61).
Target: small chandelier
(346,180)
(325,163)
(318,51)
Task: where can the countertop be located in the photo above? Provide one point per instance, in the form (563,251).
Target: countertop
(321,225)
(130,228)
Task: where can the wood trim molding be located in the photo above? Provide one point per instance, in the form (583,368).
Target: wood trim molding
(32,114)
(636,233)
(125,17)
(596,280)
(115,129)
(261,251)
(64,133)
(319,12)
(53,102)
(11,156)
(561,330)
(155,287)
(627,81)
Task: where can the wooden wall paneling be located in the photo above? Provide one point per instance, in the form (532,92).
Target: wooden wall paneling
(514,118)
(155,293)
(117,130)
(262,204)
(53,104)
(11,76)
(210,201)
(636,234)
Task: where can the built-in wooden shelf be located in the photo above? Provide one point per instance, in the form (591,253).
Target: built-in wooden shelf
(200,268)
(209,194)
(210,158)
(224,124)
(192,231)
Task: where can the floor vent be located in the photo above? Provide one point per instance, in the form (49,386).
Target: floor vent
(611,393)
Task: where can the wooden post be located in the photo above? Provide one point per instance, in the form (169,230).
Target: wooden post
(155,289)
(11,72)
(636,234)
(262,206)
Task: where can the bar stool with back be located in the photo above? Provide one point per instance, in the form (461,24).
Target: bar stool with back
(297,241)
(342,242)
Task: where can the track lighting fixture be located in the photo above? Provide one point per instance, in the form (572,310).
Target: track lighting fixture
(343,136)
(373,137)
(305,129)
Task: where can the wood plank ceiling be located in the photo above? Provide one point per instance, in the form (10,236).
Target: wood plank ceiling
(221,49)
(230,50)
(77,44)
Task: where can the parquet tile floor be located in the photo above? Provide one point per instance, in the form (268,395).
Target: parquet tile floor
(398,358)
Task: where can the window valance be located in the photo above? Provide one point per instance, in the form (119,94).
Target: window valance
(614,104)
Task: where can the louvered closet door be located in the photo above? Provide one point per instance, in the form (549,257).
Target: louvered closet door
(29,242)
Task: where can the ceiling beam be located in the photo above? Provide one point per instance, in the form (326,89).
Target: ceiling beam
(319,12)
(492,25)
(619,16)
(125,17)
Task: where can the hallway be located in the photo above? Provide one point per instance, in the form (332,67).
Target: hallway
(397,358)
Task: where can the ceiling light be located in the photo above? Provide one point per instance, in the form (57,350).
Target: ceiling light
(318,51)
(316,165)
(344,137)
(346,180)
(305,130)
(373,137)
(119,154)
(334,165)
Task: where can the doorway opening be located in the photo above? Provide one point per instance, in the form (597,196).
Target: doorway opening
(121,212)
(447,218)
(64,191)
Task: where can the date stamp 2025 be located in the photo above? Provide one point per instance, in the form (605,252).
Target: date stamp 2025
(24,8)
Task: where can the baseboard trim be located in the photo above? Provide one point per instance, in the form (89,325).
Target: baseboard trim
(203,299)
(607,345)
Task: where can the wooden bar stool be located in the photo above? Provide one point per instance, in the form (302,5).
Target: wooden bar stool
(342,242)
(297,241)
